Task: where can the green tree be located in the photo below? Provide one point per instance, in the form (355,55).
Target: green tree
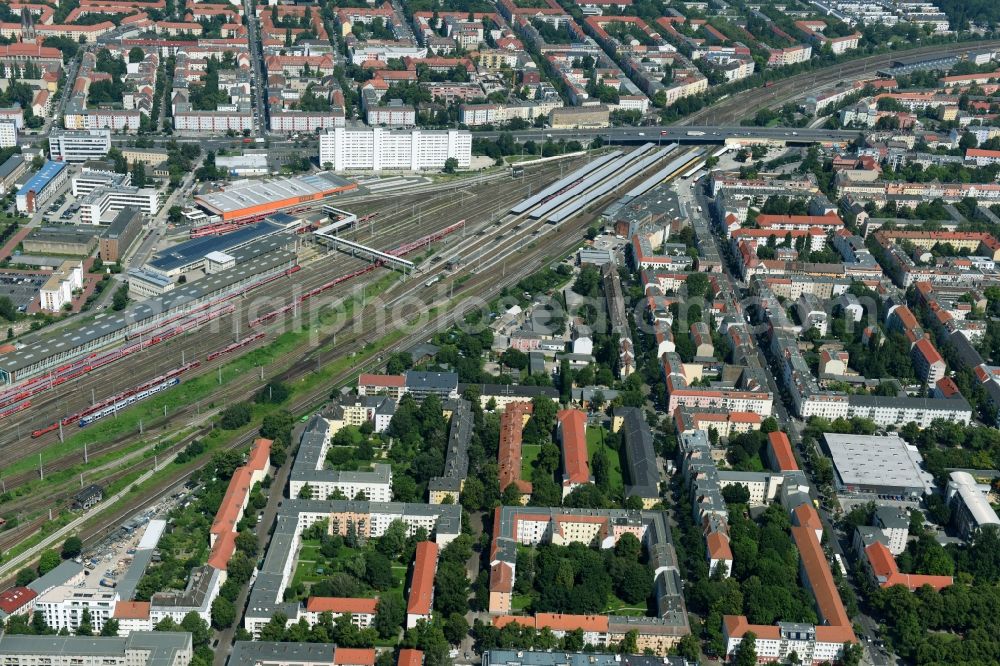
(456,628)
(86,626)
(110,627)
(25,576)
(389,616)
(746,652)
(136,54)
(450,165)
(7,309)
(120,300)
(47,562)
(71,547)
(138,174)
(223,613)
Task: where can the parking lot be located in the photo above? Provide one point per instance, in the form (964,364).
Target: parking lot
(21,288)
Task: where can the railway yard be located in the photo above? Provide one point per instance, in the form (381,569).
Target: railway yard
(481,245)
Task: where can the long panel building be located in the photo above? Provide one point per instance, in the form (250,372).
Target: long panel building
(377,149)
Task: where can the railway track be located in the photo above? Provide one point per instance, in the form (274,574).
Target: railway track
(485,284)
(746,103)
(229,393)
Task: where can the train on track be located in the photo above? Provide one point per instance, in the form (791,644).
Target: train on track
(127,402)
(124,395)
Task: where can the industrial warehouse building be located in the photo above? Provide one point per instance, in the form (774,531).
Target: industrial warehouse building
(877,465)
(65,239)
(256,200)
(377,149)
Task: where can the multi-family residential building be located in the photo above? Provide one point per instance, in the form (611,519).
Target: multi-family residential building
(377,149)
(309,473)
(140,648)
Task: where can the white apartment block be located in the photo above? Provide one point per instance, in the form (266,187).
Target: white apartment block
(212,121)
(62,607)
(58,289)
(119,121)
(8,134)
(376,149)
(79,145)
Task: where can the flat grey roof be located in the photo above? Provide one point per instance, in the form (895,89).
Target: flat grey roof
(162,644)
(250,653)
(58,576)
(870,460)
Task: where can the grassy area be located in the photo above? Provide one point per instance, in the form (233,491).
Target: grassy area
(519,602)
(618,607)
(598,438)
(312,566)
(528,454)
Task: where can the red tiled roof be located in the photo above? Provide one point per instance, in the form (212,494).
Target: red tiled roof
(810,220)
(947,387)
(15,598)
(381,380)
(567,622)
(410,657)
(817,571)
(979,152)
(736,626)
(131,610)
(928,351)
(501,577)
(354,656)
(509,455)
(359,606)
(232,503)
(422,585)
(502,621)
(572,433)
(260,453)
(781,450)
(222,551)
(883,566)
(804,515)
(718,547)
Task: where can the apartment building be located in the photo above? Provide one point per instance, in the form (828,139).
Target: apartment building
(309,471)
(140,648)
(571,430)
(420,597)
(377,149)
(63,606)
(40,188)
(529,526)
(8,134)
(456,457)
